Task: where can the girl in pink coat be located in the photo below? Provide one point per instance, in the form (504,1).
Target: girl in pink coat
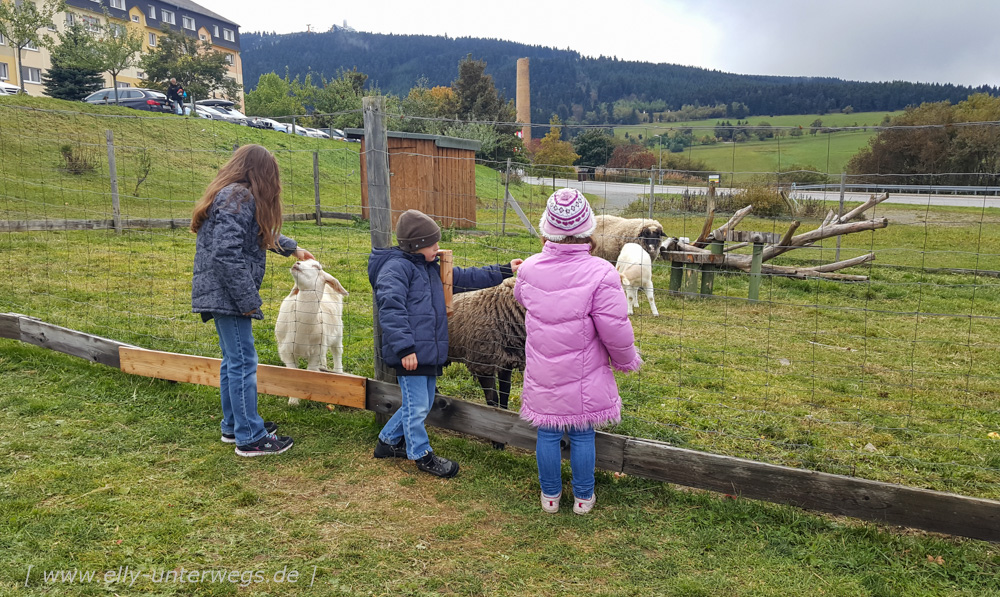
(577,330)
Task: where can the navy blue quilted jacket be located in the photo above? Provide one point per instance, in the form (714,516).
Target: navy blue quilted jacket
(411,309)
(228,261)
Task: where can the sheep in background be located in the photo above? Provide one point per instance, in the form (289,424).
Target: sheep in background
(310,322)
(486,334)
(636,269)
(612,232)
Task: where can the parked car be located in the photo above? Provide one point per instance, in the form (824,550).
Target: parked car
(318,133)
(338,135)
(267,123)
(226,108)
(131,97)
(8,89)
(205,112)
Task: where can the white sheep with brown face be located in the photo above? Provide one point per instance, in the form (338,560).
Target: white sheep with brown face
(310,320)
(636,270)
(612,232)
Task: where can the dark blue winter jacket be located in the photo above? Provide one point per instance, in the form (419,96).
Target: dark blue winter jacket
(411,309)
(228,260)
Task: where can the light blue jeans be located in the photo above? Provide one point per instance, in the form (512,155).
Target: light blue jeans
(418,398)
(582,458)
(238,379)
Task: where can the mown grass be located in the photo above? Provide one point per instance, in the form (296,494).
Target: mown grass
(103,470)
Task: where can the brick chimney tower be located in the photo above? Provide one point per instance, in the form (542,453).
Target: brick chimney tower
(524,99)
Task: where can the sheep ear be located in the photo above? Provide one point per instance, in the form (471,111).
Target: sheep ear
(334,284)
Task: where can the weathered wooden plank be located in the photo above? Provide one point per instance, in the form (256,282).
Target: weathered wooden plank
(318,386)
(836,494)
(87,346)
(143,223)
(487,422)
(10,325)
(44,225)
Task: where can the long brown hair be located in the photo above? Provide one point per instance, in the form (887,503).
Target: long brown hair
(255,168)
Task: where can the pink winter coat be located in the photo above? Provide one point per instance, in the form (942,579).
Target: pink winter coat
(577,327)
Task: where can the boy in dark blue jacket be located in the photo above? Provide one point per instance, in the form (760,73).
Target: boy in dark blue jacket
(411,312)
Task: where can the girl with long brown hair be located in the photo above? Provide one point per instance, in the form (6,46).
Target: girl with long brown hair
(237,220)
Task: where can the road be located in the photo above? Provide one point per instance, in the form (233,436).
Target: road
(619,194)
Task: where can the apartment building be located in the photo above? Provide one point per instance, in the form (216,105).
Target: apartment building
(189,17)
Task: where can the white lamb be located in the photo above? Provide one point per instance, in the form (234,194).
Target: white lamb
(310,320)
(636,269)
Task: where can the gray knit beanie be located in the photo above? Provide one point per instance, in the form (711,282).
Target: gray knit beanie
(416,230)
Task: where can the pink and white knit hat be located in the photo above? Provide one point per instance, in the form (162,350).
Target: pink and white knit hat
(567,213)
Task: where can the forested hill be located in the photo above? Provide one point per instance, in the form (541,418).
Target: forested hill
(565,83)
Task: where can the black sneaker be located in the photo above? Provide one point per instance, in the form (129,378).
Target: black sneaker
(230,438)
(269,444)
(384,450)
(435,465)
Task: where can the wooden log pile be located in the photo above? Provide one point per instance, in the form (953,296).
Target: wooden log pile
(775,245)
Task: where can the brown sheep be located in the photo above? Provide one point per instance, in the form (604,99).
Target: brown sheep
(486,334)
(611,233)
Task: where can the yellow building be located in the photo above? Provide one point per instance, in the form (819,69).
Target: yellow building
(183,15)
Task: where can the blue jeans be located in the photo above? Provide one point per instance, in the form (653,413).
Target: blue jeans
(418,398)
(238,379)
(582,458)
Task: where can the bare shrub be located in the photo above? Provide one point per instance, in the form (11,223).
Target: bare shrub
(766,198)
(78,159)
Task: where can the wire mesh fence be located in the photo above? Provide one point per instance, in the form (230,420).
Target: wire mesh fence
(888,373)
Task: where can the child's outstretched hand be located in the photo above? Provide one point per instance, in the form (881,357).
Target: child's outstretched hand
(516,263)
(302,254)
(410,361)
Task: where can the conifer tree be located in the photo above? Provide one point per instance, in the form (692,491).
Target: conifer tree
(76,70)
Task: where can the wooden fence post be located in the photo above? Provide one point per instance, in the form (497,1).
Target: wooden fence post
(840,211)
(652,189)
(755,266)
(708,270)
(506,192)
(447,263)
(319,213)
(379,210)
(113,174)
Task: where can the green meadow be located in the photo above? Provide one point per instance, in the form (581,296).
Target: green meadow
(822,152)
(890,379)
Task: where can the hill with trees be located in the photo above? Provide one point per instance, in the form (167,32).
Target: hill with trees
(576,88)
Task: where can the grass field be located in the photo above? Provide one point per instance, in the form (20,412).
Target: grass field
(891,379)
(822,152)
(102,470)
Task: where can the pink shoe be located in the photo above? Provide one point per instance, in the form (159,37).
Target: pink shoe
(551,504)
(583,506)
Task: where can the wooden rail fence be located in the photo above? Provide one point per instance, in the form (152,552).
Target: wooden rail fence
(835,494)
(125,222)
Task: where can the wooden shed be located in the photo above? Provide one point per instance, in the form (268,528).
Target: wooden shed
(434,174)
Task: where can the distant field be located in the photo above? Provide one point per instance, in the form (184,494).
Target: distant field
(803,120)
(823,152)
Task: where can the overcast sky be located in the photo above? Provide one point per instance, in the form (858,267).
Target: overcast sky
(945,41)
